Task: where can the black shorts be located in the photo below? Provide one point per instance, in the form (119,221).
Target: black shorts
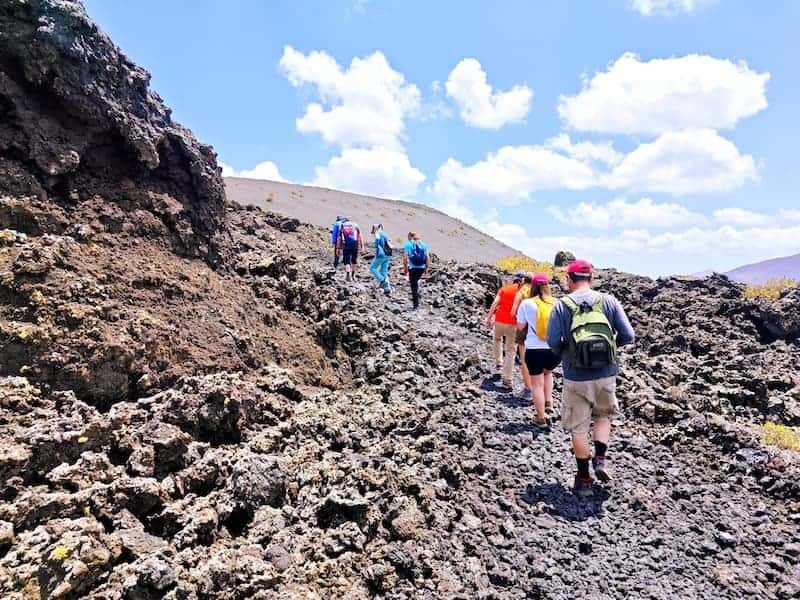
(350,255)
(539,361)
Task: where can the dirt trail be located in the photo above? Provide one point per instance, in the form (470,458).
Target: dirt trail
(682,518)
(194,407)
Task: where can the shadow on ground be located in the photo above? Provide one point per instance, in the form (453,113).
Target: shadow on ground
(562,502)
(522,428)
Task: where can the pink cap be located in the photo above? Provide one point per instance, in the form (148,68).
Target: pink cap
(580,266)
(540,279)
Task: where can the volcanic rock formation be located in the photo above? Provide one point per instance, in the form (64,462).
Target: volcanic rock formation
(193,405)
(78,121)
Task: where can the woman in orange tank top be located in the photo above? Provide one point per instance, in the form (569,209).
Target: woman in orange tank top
(505,328)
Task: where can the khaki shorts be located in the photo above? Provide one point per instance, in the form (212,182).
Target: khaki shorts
(582,401)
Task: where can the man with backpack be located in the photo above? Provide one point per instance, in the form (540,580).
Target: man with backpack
(350,244)
(586,328)
(383,258)
(416,261)
(335,230)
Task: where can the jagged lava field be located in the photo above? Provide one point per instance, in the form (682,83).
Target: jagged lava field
(193,405)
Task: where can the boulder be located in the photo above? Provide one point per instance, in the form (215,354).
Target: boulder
(563,258)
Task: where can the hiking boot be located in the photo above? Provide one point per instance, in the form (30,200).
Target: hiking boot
(541,425)
(600,470)
(583,487)
(507,385)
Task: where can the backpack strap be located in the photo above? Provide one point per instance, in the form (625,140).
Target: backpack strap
(571,305)
(598,306)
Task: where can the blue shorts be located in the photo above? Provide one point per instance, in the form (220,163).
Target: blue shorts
(350,255)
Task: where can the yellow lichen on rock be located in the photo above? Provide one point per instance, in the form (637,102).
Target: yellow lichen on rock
(61,553)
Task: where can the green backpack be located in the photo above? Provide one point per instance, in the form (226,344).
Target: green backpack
(592,342)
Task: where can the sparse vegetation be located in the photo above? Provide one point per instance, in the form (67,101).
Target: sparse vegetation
(61,553)
(781,436)
(520,262)
(770,290)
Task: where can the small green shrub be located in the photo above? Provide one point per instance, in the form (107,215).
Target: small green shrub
(770,290)
(520,262)
(781,436)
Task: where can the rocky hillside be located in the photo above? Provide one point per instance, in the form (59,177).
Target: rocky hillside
(192,406)
(449,238)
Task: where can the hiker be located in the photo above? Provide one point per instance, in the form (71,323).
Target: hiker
(350,244)
(416,262)
(335,228)
(383,258)
(534,315)
(586,328)
(505,328)
(522,334)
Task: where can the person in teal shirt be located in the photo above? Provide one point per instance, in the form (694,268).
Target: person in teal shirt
(383,258)
(416,262)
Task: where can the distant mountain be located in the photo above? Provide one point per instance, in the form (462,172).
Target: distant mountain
(761,272)
(449,238)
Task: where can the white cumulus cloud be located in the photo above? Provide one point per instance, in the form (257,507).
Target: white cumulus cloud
(666,94)
(585,151)
(364,105)
(650,8)
(263,170)
(384,172)
(697,161)
(619,213)
(791,215)
(638,249)
(741,217)
(511,175)
(479,104)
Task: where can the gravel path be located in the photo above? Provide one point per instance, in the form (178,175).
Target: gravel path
(682,517)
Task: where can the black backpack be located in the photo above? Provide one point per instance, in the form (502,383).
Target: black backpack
(387,246)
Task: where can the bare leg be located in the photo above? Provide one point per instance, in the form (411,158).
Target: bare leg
(537,382)
(526,377)
(548,389)
(580,445)
(602,430)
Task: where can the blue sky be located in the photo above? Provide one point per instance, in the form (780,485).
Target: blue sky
(658,136)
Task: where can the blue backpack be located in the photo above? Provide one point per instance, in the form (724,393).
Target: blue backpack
(335,232)
(418,256)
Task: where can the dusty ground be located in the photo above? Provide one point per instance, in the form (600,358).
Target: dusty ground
(411,475)
(194,406)
(449,238)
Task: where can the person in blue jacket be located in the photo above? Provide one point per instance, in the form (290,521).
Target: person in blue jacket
(335,230)
(383,258)
(416,262)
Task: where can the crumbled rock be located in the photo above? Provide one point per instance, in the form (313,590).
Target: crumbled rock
(192,405)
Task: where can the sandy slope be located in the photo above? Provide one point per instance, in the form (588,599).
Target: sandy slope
(761,272)
(448,238)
